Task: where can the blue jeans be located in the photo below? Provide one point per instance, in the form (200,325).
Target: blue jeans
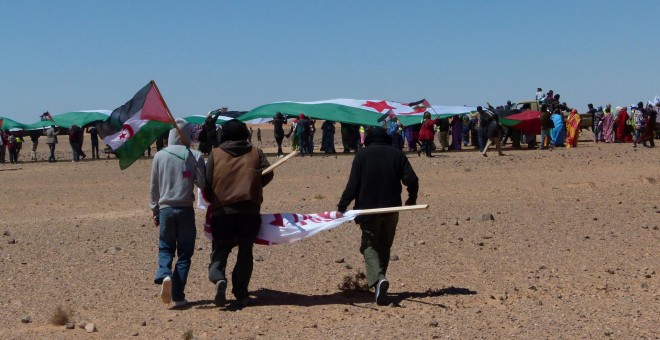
(74,151)
(51,146)
(177,235)
(545,133)
(482,132)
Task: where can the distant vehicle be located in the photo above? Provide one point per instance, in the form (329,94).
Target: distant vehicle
(523,105)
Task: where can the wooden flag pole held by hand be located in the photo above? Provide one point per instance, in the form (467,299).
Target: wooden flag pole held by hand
(278,163)
(390,209)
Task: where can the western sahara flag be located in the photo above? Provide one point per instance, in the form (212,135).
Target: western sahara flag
(134,126)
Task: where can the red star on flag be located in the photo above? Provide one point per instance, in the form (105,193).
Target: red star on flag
(122,136)
(378,106)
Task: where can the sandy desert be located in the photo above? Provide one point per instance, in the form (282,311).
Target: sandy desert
(573,251)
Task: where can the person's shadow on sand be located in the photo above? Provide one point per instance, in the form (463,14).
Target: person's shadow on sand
(269,297)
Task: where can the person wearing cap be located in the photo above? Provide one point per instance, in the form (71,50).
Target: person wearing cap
(175,171)
(375,180)
(234,187)
(51,140)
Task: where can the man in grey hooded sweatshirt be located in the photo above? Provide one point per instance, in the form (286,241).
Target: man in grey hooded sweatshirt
(174,171)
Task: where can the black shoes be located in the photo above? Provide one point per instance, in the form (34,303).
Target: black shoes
(381,291)
(220,290)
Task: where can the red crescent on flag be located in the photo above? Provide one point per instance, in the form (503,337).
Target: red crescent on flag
(126,129)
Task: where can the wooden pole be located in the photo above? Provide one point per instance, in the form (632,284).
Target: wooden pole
(390,209)
(278,163)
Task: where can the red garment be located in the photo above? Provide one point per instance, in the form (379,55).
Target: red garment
(621,134)
(427,131)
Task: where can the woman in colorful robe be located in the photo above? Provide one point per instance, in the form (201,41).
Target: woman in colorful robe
(608,126)
(622,130)
(557,133)
(572,129)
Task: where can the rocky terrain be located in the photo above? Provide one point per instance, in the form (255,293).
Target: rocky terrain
(561,243)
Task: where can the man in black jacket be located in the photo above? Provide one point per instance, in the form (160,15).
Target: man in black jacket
(375,182)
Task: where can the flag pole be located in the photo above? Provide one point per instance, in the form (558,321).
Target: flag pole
(278,163)
(169,114)
(390,209)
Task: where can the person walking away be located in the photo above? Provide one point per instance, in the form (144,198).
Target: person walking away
(94,138)
(34,137)
(572,129)
(483,119)
(426,132)
(494,135)
(328,137)
(174,172)
(638,121)
(259,136)
(456,133)
(278,132)
(608,125)
(12,145)
(622,135)
(443,129)
(648,133)
(234,186)
(51,140)
(80,136)
(303,130)
(73,141)
(375,181)
(598,116)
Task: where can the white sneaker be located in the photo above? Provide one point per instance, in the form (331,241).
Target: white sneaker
(181,303)
(166,290)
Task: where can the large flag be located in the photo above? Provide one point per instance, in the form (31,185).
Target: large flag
(134,126)
(354,111)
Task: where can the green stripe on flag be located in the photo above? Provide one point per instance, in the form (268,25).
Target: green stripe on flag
(133,148)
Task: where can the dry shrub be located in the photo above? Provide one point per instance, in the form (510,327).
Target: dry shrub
(319,197)
(188,335)
(61,316)
(355,283)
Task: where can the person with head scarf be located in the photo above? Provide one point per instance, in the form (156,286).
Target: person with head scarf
(175,171)
(234,188)
(304,134)
(598,124)
(456,133)
(426,133)
(328,137)
(572,129)
(557,133)
(650,116)
(608,125)
(622,133)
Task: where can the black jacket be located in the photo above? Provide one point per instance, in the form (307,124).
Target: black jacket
(376,176)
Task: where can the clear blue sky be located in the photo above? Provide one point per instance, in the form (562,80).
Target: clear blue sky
(76,55)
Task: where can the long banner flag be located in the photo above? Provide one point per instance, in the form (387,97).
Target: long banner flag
(355,111)
(134,126)
(289,227)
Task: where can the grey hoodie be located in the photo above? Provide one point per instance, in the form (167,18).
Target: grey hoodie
(174,171)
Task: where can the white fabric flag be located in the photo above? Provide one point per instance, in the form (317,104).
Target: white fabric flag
(285,227)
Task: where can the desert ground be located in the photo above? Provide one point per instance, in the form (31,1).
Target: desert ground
(573,251)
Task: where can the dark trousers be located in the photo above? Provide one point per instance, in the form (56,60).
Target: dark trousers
(377,238)
(3,151)
(95,149)
(229,230)
(426,147)
(51,146)
(279,146)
